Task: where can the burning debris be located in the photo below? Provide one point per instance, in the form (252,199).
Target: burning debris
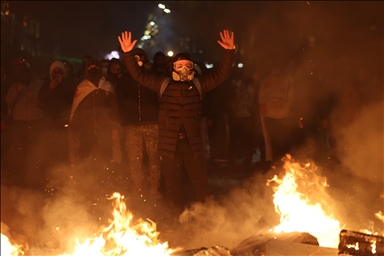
(297,201)
(305,227)
(357,243)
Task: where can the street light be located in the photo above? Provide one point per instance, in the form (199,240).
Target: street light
(162,6)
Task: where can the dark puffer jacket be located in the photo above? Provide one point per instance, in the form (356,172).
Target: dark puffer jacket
(180,104)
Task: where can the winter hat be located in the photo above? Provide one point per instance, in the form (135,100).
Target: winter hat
(182,56)
(141,53)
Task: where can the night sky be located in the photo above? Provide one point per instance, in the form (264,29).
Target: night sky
(76,28)
(84,27)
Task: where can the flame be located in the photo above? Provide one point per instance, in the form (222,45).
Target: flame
(7,249)
(297,213)
(124,238)
(121,238)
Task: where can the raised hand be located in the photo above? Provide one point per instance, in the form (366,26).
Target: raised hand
(125,41)
(228,41)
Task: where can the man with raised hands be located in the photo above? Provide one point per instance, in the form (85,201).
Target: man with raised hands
(180,96)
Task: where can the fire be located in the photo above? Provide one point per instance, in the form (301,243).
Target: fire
(121,238)
(124,238)
(7,249)
(297,212)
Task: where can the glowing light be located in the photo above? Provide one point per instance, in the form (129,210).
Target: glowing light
(145,37)
(373,245)
(304,213)
(208,65)
(152,23)
(147,32)
(170,53)
(128,238)
(161,6)
(111,55)
(167,11)
(240,65)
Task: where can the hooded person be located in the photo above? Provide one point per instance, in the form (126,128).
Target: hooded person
(180,109)
(93,127)
(56,95)
(139,108)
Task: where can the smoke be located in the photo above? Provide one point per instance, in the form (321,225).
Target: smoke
(49,221)
(228,219)
(360,174)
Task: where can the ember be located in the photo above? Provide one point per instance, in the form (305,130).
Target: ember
(357,243)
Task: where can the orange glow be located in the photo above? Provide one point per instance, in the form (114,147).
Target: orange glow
(122,237)
(7,249)
(301,212)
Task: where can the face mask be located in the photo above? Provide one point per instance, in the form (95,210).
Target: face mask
(184,74)
(94,73)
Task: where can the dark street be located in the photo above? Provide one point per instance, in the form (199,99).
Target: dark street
(192,128)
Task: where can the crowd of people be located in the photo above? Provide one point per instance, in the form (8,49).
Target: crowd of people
(123,124)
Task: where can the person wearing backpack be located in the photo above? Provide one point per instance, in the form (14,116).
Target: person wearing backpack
(180,105)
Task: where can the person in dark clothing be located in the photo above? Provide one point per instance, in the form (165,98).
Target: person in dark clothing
(70,71)
(56,96)
(26,125)
(180,141)
(84,61)
(139,109)
(94,132)
(115,70)
(158,65)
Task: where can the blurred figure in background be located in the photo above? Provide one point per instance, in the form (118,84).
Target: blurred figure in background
(80,74)
(104,63)
(242,135)
(158,65)
(276,97)
(115,71)
(70,72)
(94,133)
(56,96)
(26,114)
